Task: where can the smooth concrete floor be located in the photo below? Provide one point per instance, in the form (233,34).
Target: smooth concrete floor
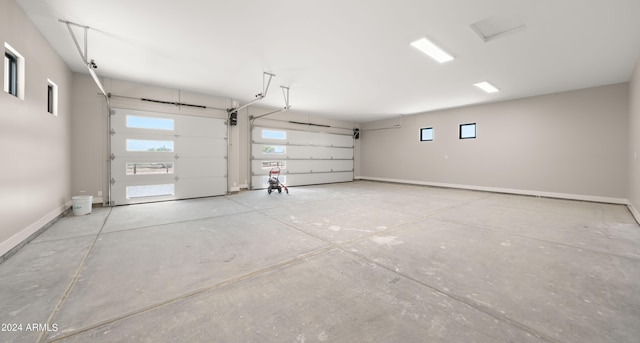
(351,262)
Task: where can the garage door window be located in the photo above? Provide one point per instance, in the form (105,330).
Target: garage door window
(149,168)
(139,122)
(272,134)
(270,149)
(150,191)
(152,146)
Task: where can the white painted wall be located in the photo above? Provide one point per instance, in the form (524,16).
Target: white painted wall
(35,169)
(634,142)
(571,144)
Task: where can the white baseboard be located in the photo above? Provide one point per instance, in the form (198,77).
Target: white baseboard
(581,197)
(634,211)
(234,189)
(25,233)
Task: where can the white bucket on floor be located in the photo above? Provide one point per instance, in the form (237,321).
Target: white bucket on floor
(81,204)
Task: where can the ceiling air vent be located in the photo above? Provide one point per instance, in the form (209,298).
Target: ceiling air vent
(497,26)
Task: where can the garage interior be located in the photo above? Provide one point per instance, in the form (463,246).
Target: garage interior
(421,206)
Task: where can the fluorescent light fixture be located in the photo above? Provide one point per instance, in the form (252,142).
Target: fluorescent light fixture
(432,50)
(487,87)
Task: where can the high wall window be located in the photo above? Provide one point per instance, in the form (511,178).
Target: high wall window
(13,72)
(426,134)
(10,74)
(468,131)
(52,98)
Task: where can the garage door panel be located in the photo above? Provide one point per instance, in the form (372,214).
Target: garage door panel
(184,157)
(311,166)
(200,187)
(201,127)
(140,191)
(267,151)
(201,147)
(294,137)
(304,157)
(198,167)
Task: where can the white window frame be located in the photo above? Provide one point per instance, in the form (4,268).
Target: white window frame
(422,131)
(52,97)
(20,72)
(475,131)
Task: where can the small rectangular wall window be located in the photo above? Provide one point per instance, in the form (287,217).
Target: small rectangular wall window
(271,134)
(10,74)
(52,98)
(468,131)
(13,72)
(426,134)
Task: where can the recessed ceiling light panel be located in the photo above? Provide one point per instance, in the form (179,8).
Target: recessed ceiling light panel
(487,87)
(432,50)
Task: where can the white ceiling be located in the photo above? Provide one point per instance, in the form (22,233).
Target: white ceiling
(349,59)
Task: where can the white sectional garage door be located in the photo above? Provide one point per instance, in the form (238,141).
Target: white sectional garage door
(160,156)
(305,158)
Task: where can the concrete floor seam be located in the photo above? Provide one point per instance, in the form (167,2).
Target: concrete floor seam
(355,240)
(488,229)
(74,279)
(62,239)
(202,290)
(173,222)
(460,299)
(341,246)
(363,263)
